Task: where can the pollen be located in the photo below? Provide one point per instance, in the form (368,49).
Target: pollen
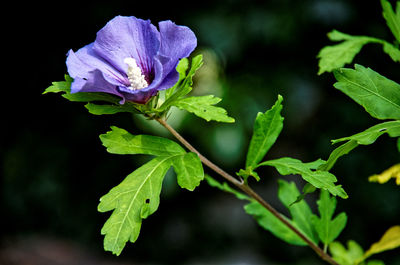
(136,78)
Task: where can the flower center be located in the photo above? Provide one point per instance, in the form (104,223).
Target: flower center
(136,79)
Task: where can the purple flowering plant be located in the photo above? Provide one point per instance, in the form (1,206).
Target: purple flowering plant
(133,66)
(131,59)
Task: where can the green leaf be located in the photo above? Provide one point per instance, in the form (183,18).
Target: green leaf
(328,229)
(91,96)
(203,107)
(200,106)
(336,56)
(62,86)
(319,179)
(392,19)
(65,87)
(338,152)
(137,196)
(189,170)
(315,164)
(349,256)
(184,85)
(134,199)
(355,255)
(300,212)
(245,174)
(226,188)
(269,222)
(392,51)
(267,128)
(119,141)
(181,68)
(369,136)
(307,189)
(110,109)
(197,62)
(378,95)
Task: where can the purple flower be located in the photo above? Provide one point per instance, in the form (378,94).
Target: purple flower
(130,58)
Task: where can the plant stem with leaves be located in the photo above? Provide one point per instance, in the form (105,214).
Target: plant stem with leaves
(242,185)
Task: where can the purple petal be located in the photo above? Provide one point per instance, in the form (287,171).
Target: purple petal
(177,42)
(85,61)
(125,37)
(138,96)
(95,82)
(168,81)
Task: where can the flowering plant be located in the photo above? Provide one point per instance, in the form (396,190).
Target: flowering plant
(134,67)
(130,58)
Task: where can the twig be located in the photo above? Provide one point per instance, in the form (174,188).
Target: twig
(249,191)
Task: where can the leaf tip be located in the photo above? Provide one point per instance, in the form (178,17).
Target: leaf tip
(230,120)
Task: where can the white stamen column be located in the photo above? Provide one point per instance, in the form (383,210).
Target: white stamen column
(136,78)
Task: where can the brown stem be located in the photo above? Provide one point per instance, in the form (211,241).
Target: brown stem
(249,191)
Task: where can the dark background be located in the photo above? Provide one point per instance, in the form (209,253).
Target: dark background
(54,168)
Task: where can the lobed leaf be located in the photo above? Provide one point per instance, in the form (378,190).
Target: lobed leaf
(134,199)
(119,141)
(202,107)
(317,178)
(267,128)
(328,229)
(336,56)
(137,197)
(349,256)
(189,170)
(378,95)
